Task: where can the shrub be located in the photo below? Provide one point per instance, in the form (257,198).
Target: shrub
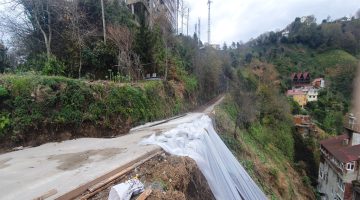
(53,66)
(3,92)
(4,123)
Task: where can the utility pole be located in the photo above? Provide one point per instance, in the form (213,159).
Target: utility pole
(196,30)
(103,19)
(209,22)
(182,16)
(187,22)
(199,29)
(177,17)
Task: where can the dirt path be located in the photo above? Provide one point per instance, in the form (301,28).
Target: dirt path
(61,167)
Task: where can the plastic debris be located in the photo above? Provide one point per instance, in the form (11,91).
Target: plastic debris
(125,191)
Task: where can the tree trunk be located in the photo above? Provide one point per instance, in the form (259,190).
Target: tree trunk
(80,64)
(119,61)
(236,125)
(166,62)
(103,19)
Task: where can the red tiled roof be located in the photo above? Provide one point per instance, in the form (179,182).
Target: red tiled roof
(306,74)
(317,80)
(342,153)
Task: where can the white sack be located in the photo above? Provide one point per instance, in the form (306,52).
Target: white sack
(198,140)
(124,191)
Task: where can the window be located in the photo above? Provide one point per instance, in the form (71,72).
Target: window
(350,166)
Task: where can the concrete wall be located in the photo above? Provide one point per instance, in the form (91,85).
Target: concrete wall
(328,184)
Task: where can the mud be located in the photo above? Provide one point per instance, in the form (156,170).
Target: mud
(169,177)
(73,161)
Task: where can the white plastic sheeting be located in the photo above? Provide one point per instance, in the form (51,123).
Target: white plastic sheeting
(227,179)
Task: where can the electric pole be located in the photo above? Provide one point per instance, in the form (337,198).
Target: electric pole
(187,22)
(177,17)
(199,28)
(209,22)
(182,16)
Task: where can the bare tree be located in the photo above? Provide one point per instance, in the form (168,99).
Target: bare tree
(166,29)
(122,37)
(79,30)
(41,12)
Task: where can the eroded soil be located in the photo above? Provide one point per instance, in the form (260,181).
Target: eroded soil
(169,177)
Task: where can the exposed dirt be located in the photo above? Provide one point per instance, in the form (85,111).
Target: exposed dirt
(169,177)
(42,135)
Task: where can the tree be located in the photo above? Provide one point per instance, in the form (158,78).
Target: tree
(3,57)
(166,30)
(79,30)
(123,39)
(40,13)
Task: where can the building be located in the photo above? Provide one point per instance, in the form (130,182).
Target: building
(339,164)
(298,95)
(312,95)
(151,9)
(318,83)
(300,79)
(304,125)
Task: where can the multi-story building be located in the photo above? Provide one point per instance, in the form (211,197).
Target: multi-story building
(298,95)
(339,164)
(312,95)
(151,9)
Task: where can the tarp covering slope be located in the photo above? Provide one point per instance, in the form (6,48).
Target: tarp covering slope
(227,179)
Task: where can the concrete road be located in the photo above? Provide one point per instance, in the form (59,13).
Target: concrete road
(64,166)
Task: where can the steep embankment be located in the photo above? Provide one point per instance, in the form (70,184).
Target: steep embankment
(266,164)
(39,109)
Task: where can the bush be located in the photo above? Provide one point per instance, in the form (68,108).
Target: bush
(53,66)
(3,92)
(4,123)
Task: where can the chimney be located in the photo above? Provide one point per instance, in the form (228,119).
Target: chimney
(345,142)
(352,121)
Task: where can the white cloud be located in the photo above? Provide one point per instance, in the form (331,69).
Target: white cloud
(235,20)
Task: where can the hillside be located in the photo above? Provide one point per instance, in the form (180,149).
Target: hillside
(38,109)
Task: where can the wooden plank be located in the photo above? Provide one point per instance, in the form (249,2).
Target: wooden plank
(77,192)
(123,172)
(145,195)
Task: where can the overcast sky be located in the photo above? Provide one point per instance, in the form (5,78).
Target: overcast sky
(240,20)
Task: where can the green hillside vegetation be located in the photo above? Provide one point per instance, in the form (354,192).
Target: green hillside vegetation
(329,50)
(37,109)
(260,152)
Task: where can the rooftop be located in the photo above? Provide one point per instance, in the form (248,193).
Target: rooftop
(343,153)
(295,92)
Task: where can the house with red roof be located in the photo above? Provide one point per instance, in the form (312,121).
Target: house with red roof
(300,79)
(339,164)
(318,83)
